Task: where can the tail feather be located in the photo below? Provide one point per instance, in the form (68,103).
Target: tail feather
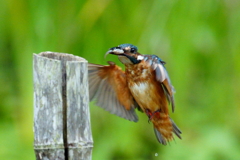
(176,130)
(164,127)
(159,136)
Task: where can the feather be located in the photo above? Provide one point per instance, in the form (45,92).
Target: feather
(106,84)
(176,130)
(159,137)
(162,76)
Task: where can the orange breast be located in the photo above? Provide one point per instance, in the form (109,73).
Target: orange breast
(145,89)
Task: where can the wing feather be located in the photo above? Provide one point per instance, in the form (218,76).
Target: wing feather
(108,87)
(162,76)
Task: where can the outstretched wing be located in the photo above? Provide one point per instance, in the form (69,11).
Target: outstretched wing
(108,86)
(162,76)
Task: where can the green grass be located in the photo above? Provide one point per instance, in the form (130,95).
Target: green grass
(199,40)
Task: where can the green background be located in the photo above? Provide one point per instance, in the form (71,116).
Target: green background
(199,40)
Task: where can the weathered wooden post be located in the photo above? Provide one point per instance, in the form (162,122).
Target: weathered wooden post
(62,128)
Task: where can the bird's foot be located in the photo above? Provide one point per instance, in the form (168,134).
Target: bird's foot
(151,114)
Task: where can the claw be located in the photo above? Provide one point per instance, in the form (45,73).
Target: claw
(151,114)
(149,119)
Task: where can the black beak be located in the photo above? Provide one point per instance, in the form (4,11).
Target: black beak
(115,51)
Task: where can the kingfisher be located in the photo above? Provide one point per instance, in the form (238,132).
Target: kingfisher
(144,85)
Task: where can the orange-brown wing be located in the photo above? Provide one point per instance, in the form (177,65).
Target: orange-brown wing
(108,86)
(164,125)
(162,76)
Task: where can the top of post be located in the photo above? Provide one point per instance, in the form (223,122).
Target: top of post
(60,56)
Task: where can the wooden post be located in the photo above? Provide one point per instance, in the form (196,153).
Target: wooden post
(62,128)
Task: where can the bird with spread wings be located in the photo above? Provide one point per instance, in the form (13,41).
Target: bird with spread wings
(144,85)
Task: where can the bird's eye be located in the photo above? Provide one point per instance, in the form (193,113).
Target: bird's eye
(132,50)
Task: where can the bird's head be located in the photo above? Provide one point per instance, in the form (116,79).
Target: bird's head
(127,53)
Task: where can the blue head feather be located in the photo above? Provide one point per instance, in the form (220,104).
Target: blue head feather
(128,45)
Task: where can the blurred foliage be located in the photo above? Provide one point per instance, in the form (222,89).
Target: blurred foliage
(199,40)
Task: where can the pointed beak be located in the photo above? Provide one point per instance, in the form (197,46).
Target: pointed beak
(115,51)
